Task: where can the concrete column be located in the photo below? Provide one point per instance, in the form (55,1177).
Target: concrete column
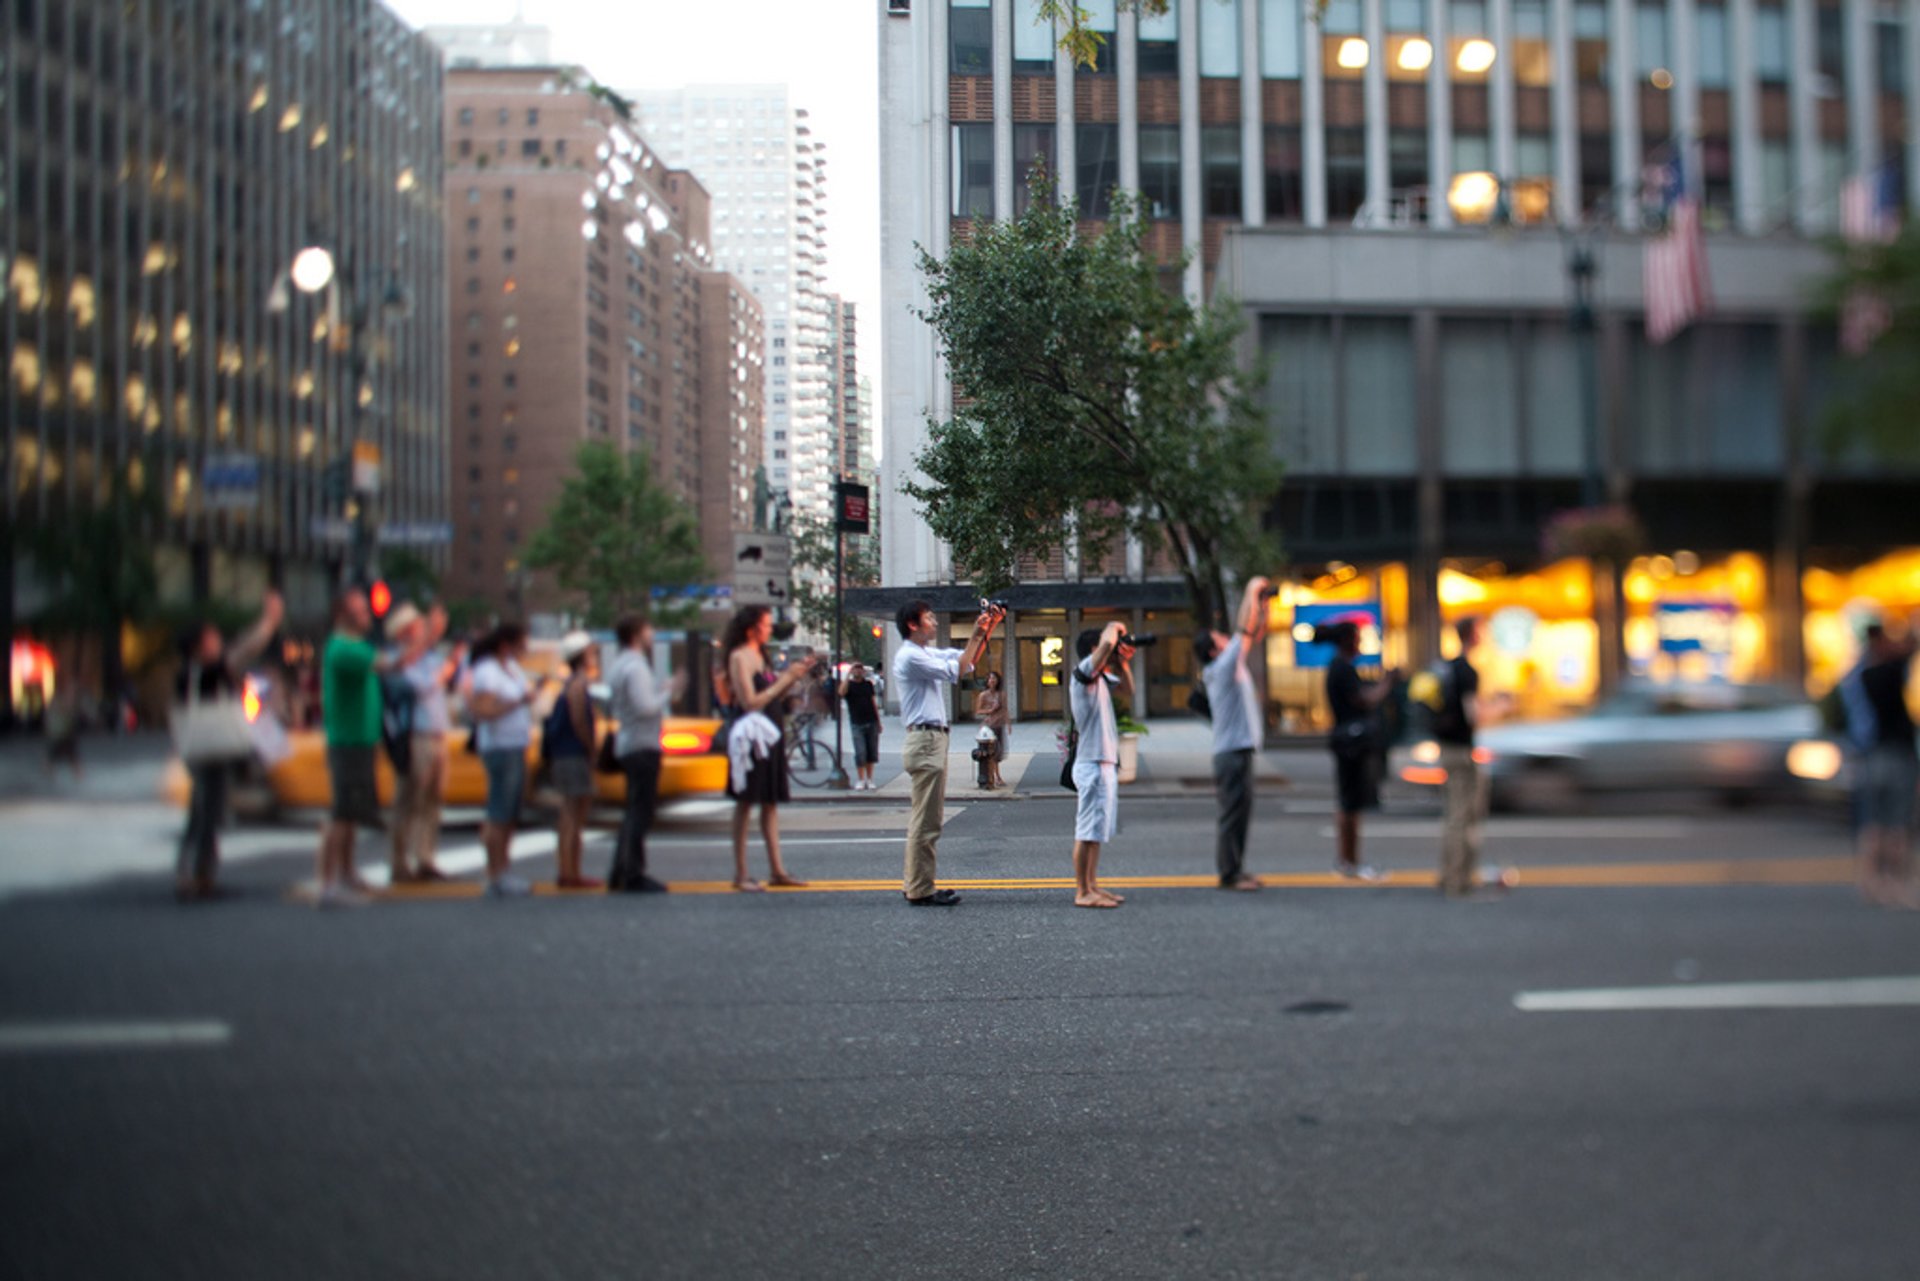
(1863,89)
(1439,117)
(1126,54)
(1378,211)
(1749,193)
(939,238)
(1192,217)
(1136,625)
(1566,114)
(1910,25)
(1313,127)
(1253,134)
(1063,119)
(1623,93)
(1685,93)
(1003,175)
(1500,87)
(1010,663)
(1803,115)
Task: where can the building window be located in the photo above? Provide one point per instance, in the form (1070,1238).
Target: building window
(1220,37)
(1590,41)
(1650,39)
(970,38)
(1346,172)
(1480,431)
(533,116)
(1159,41)
(1343,52)
(1282,163)
(1889,53)
(973,171)
(1032,147)
(1532,55)
(1770,58)
(1220,170)
(1032,40)
(1376,378)
(530,146)
(1279,39)
(473,224)
(1160,170)
(466,115)
(1712,45)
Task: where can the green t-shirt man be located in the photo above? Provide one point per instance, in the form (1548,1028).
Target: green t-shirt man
(349,692)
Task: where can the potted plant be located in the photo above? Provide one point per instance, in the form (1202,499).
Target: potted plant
(1130,734)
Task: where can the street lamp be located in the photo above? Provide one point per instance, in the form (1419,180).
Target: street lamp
(312,269)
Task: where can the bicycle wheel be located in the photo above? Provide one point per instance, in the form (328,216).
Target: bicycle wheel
(809,761)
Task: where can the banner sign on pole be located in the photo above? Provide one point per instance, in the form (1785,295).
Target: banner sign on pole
(853,501)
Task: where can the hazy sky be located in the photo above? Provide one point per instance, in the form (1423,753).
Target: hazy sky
(823,49)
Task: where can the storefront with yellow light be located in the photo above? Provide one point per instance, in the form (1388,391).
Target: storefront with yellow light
(1296,666)
(1695,618)
(1539,643)
(1841,599)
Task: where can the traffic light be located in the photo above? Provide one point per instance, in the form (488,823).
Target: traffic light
(380,597)
(878,631)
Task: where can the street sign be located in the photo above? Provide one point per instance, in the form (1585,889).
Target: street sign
(762,569)
(366,467)
(230,482)
(853,501)
(331,529)
(423,533)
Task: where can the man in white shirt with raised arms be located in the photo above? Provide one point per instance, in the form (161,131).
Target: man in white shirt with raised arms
(919,671)
(1238,728)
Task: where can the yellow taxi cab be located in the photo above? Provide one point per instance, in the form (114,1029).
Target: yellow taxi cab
(296,778)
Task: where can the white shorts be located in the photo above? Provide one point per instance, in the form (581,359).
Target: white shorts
(1098,815)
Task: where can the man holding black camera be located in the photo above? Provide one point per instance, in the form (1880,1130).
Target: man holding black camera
(1238,729)
(1096,761)
(919,670)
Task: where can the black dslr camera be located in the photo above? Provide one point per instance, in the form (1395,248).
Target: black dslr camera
(1141,641)
(986,605)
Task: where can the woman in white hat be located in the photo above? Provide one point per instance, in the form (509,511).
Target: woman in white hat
(568,739)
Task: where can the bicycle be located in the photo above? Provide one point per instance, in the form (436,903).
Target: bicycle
(811,760)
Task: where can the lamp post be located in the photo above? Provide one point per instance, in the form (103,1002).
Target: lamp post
(838,779)
(1582,266)
(314,271)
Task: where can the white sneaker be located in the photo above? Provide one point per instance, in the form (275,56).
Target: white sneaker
(1366,872)
(330,896)
(508,886)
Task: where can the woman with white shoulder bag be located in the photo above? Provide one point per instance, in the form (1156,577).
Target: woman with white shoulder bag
(210,730)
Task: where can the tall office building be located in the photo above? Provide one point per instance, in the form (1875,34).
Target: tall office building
(768,175)
(852,434)
(1404,198)
(159,171)
(584,307)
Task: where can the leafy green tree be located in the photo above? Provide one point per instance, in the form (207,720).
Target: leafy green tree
(614,534)
(97,564)
(1080,40)
(1092,399)
(1877,410)
(409,575)
(812,544)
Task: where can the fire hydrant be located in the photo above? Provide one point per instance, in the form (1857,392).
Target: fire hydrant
(985,747)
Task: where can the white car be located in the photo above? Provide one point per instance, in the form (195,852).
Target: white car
(1730,741)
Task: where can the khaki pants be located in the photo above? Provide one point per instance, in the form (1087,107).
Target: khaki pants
(925,758)
(416,802)
(1465,795)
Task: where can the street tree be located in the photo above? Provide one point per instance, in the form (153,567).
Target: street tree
(813,596)
(1875,290)
(409,575)
(1077,36)
(1092,401)
(615,534)
(96,562)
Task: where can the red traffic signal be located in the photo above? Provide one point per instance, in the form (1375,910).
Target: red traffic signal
(878,631)
(380,597)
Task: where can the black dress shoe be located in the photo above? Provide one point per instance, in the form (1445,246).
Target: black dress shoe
(939,898)
(642,884)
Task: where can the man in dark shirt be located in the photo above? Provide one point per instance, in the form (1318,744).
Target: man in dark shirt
(863,718)
(1354,703)
(1887,769)
(1464,792)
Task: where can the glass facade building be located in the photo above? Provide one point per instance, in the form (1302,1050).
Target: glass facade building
(161,163)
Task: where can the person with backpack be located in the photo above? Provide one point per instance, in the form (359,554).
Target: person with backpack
(567,743)
(1464,795)
(1233,704)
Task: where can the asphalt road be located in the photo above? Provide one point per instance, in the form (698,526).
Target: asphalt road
(1309,1082)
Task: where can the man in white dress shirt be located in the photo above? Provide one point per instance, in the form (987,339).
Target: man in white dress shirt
(919,671)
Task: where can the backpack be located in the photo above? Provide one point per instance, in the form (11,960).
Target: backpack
(396,721)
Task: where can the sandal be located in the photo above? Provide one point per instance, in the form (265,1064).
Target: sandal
(787,882)
(749,886)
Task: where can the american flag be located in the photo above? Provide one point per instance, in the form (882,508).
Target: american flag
(1869,215)
(1674,275)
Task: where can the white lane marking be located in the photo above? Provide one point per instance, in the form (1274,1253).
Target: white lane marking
(53,1037)
(1637,829)
(1818,994)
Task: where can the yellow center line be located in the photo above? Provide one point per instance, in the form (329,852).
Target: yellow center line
(1792,871)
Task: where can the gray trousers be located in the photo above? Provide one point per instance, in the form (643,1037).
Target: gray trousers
(199,854)
(1233,786)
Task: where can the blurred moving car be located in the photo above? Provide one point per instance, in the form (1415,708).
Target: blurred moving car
(691,765)
(1737,742)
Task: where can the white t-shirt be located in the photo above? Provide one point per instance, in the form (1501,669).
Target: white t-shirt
(506,682)
(1236,704)
(1093,717)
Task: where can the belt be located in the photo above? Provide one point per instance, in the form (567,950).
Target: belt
(929,725)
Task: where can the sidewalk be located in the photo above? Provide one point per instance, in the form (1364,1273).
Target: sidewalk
(116,769)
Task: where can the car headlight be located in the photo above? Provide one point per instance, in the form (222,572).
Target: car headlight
(1814,759)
